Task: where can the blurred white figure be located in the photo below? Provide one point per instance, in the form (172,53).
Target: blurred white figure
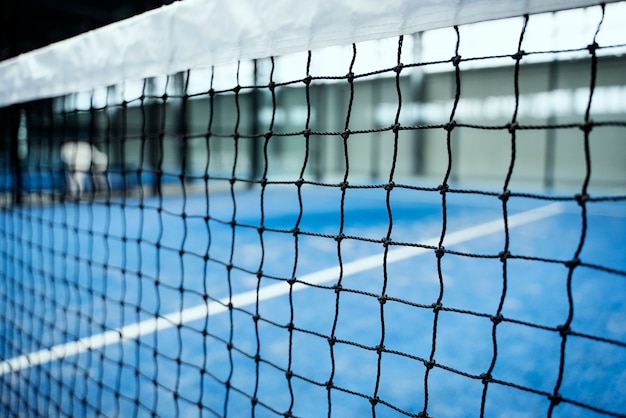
(82,159)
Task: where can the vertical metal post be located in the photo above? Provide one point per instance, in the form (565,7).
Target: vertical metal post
(376,138)
(155,136)
(180,109)
(548,177)
(255,110)
(416,83)
(317,146)
(113,136)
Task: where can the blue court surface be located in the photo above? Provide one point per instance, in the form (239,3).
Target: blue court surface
(91,295)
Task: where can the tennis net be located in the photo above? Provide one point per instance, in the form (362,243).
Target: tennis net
(388,211)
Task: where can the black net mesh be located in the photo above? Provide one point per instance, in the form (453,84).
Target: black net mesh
(311,246)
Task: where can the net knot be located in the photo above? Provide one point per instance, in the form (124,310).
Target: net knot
(440,251)
(332,341)
(437,307)
(211,92)
(456,60)
(383,299)
(564,330)
(380,348)
(512,127)
(256,318)
(268,134)
(518,55)
(299,182)
(572,263)
(254,401)
(496,319)
(288,374)
(443,188)
(337,287)
(503,255)
(307,80)
(292,281)
(449,126)
(398,68)
(386,241)
(229,267)
(291,326)
(430,364)
(555,399)
(260,229)
(350,77)
(374,400)
(345,134)
(232,180)
(582,198)
(306,133)
(257,358)
(237,88)
(592,48)
(587,126)
(344,185)
(259,274)
(271,86)
(485,377)
(329,384)
(395,128)
(389,186)
(295,231)
(264,182)
(339,237)
(504,196)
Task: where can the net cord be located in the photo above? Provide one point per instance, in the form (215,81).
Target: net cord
(199,34)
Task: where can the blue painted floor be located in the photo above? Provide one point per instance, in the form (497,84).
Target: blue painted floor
(136,264)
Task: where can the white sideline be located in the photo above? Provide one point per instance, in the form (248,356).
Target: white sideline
(132,331)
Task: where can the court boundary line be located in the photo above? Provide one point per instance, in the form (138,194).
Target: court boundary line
(149,326)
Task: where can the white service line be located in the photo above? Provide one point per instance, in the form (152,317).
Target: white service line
(239,300)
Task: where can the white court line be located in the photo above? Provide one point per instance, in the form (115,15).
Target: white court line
(149,326)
